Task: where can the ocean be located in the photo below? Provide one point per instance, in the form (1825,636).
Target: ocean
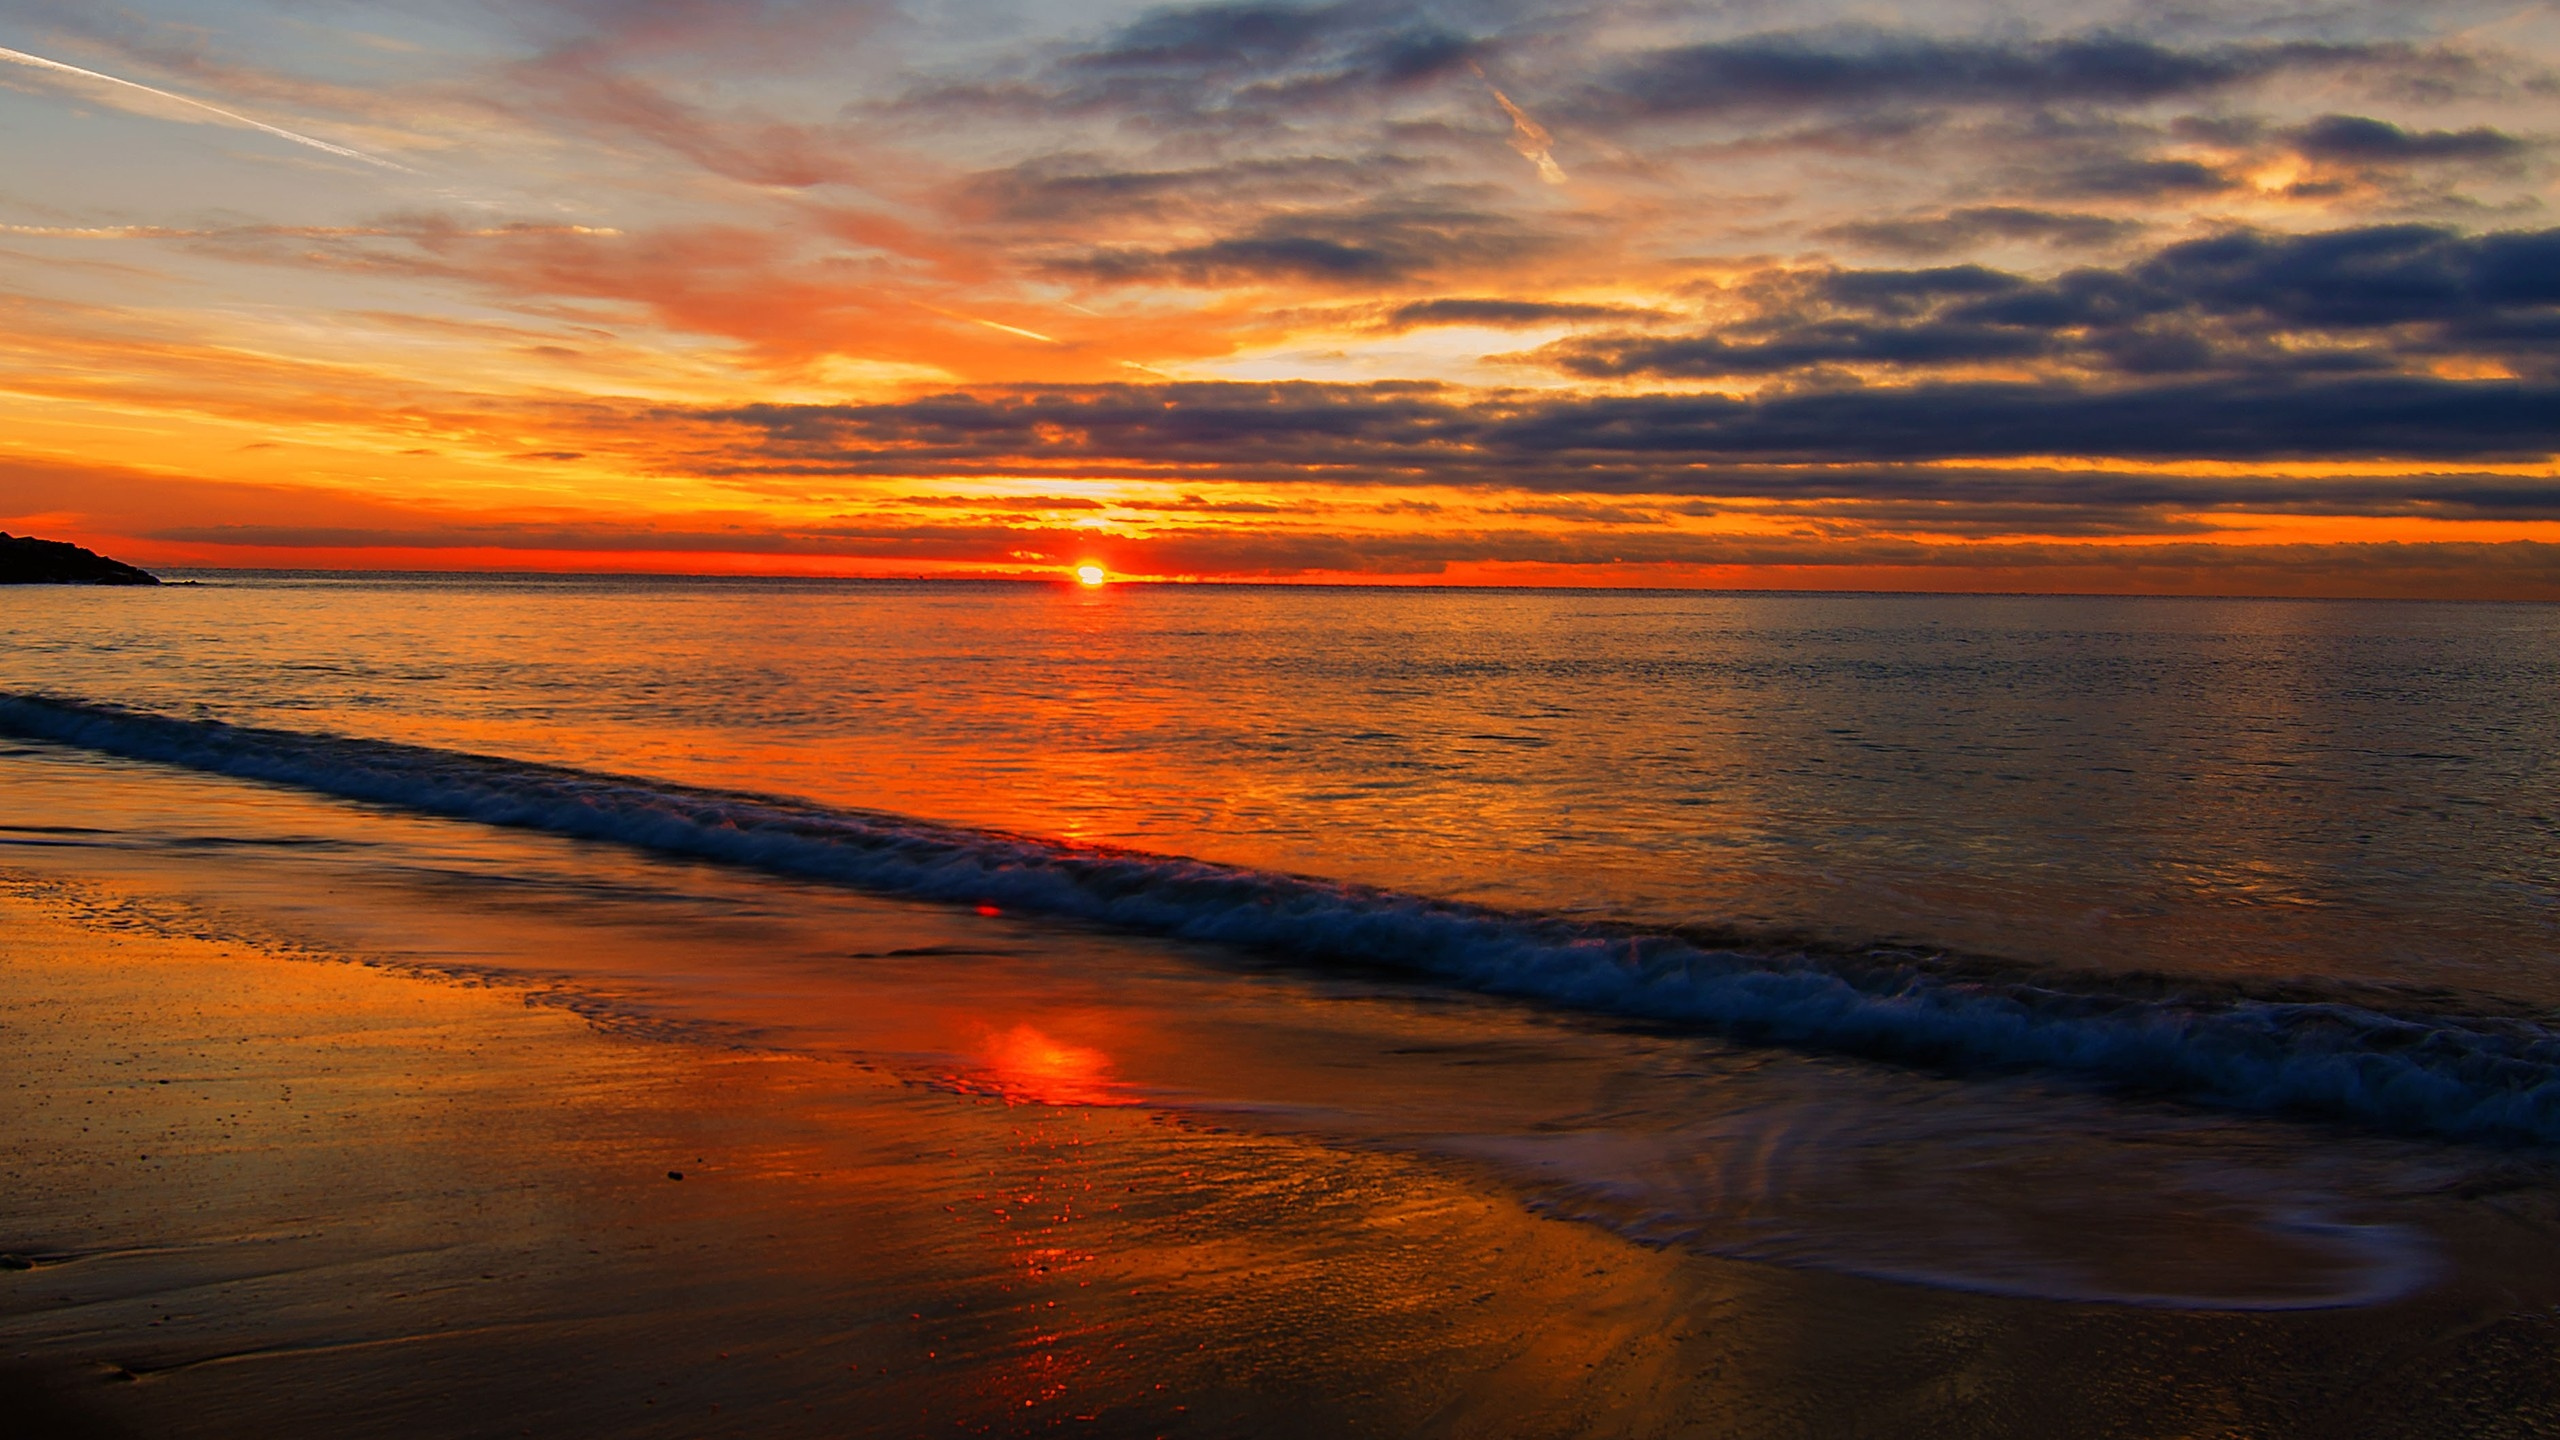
(2148,952)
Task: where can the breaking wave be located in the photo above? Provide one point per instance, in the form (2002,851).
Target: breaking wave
(2455,1075)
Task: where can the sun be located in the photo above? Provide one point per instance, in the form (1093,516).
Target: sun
(1091,574)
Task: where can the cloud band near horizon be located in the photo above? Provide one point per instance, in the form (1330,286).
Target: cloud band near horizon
(1265,289)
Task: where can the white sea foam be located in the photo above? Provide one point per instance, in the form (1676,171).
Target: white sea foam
(2470,1076)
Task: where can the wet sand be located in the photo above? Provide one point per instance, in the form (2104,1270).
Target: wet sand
(266,1191)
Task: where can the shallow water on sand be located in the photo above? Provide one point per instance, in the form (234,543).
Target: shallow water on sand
(2000,1184)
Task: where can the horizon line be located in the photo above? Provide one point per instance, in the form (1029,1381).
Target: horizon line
(1068,582)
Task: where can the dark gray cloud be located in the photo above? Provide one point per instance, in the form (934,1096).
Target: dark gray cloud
(2379,275)
(2352,417)
(1298,424)
(1906,291)
(1370,245)
(1659,444)
(1852,69)
(2359,139)
(1083,189)
(1270,142)
(1386,43)
(1279,254)
(1249,64)
(2139,178)
(1500,313)
(2523,568)
(1237,62)
(1805,345)
(2243,303)
(1969,226)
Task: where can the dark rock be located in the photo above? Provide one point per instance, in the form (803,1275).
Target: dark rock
(28,561)
(16,1262)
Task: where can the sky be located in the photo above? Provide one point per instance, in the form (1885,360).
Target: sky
(2240,298)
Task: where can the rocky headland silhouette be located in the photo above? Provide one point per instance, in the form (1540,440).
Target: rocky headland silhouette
(25,560)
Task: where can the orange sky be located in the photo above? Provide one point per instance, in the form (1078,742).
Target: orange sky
(1992,298)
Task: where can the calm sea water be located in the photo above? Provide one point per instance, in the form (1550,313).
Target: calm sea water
(2331,788)
(1971,917)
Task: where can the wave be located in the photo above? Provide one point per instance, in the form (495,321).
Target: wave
(2469,1076)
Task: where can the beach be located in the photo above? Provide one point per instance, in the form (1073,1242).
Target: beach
(288,1193)
(320,1197)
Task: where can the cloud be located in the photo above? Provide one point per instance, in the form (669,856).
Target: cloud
(1497,313)
(1974,225)
(1376,244)
(1273,256)
(2136,178)
(1316,46)
(1228,37)
(1224,69)
(763,34)
(1021,217)
(2244,302)
(2378,142)
(587,91)
(1086,191)
(1977,528)
(1857,69)
(1528,136)
(2353,417)
(2516,570)
(2368,276)
(1662,444)
(1818,343)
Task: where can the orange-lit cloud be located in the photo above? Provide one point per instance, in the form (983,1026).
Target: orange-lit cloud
(1218,291)
(1528,136)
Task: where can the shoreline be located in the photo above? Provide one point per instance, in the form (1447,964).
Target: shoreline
(841,1247)
(385,1203)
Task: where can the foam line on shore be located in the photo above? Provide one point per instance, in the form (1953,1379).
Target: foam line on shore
(2461,1076)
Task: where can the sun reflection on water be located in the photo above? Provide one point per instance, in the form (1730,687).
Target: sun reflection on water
(1026,1066)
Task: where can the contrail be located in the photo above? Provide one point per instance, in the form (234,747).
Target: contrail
(302,232)
(98,232)
(1014,330)
(1527,136)
(991,324)
(38,62)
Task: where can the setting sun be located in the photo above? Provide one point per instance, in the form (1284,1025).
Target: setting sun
(1091,575)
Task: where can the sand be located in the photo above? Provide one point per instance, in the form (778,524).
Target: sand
(265,1191)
